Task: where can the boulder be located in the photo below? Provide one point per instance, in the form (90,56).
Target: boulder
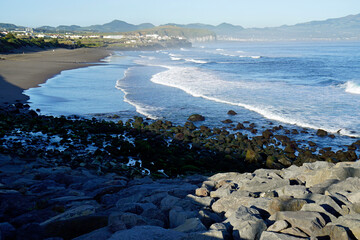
(72,213)
(278,236)
(227,121)
(202,192)
(178,216)
(220,193)
(351,222)
(332,231)
(168,202)
(308,222)
(231,112)
(296,191)
(202,201)
(247,223)
(102,233)
(208,235)
(191,225)
(321,133)
(148,233)
(209,218)
(278,226)
(314,207)
(196,118)
(7,231)
(294,231)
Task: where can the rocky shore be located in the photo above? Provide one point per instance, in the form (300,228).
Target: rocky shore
(71,178)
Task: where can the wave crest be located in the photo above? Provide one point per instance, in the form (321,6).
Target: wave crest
(352,87)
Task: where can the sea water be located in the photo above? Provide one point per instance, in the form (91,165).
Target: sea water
(309,85)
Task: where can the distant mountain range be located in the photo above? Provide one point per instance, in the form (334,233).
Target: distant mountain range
(114,26)
(345,28)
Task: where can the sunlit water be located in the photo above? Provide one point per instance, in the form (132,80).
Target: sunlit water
(297,85)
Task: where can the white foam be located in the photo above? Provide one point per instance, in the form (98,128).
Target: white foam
(207,85)
(142,109)
(195,61)
(352,87)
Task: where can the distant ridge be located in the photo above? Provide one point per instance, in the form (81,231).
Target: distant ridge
(344,28)
(111,27)
(119,26)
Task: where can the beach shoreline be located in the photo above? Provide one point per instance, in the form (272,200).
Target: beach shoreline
(21,71)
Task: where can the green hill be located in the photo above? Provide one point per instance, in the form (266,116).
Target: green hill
(175,31)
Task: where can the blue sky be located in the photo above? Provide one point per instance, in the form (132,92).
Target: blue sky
(247,13)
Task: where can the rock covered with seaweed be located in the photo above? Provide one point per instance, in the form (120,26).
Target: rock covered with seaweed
(85,178)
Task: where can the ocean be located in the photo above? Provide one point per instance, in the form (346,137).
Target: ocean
(304,86)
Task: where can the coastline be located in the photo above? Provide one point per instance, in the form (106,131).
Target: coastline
(22,71)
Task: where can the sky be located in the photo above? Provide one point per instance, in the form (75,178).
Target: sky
(246,13)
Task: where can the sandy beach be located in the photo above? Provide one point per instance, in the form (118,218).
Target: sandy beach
(26,70)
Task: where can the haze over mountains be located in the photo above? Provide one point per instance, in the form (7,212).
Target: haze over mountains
(345,28)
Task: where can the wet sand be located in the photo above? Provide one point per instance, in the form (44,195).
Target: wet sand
(26,70)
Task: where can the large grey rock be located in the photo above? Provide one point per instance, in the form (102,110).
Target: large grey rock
(208,235)
(314,207)
(327,202)
(102,233)
(208,217)
(7,231)
(258,184)
(278,226)
(168,203)
(308,222)
(320,188)
(316,176)
(351,184)
(191,225)
(236,199)
(277,236)
(352,222)
(137,208)
(72,213)
(296,191)
(354,197)
(285,204)
(148,233)
(178,216)
(220,193)
(247,223)
(294,231)
(201,201)
(332,231)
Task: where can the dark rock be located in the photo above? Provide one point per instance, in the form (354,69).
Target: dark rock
(31,231)
(227,121)
(74,227)
(196,118)
(267,134)
(7,231)
(240,126)
(289,149)
(190,126)
(148,233)
(321,133)
(231,112)
(179,136)
(294,131)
